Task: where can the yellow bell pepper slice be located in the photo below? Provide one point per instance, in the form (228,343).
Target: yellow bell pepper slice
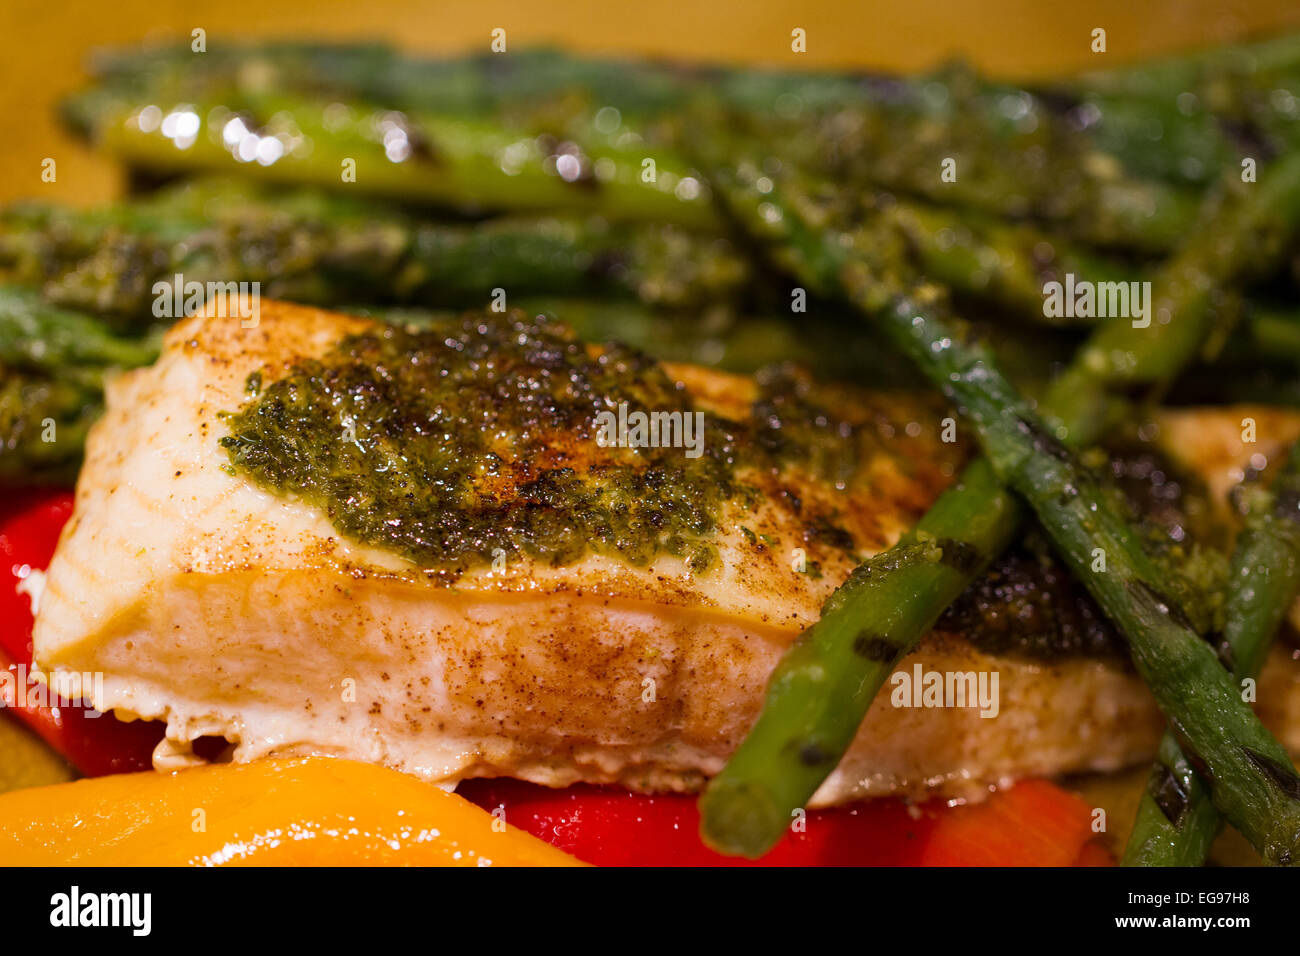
(309,811)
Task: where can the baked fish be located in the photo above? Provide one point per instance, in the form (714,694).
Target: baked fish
(496,550)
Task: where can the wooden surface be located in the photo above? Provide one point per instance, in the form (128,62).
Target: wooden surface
(43,43)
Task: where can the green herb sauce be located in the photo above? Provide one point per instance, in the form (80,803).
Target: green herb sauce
(453,447)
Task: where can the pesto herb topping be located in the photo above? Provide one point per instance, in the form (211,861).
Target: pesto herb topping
(454,446)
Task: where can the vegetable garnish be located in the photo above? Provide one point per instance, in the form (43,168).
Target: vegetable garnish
(94,743)
(315,811)
(1034,823)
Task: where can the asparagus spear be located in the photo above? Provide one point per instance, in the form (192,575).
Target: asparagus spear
(43,423)
(995,150)
(1186,116)
(1253,782)
(52,367)
(468,85)
(311,246)
(541,131)
(820,691)
(307,245)
(37,335)
(989,261)
(1177,820)
(529,80)
(377,148)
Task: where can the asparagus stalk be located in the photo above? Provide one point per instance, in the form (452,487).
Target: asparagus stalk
(992,262)
(541,131)
(469,85)
(37,335)
(1187,117)
(820,691)
(1254,784)
(315,247)
(1177,820)
(997,151)
(1239,241)
(531,79)
(43,423)
(377,148)
(307,245)
(52,367)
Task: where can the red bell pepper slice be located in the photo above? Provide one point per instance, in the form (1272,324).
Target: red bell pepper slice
(94,743)
(30,522)
(1034,823)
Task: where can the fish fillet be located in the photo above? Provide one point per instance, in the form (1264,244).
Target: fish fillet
(227,610)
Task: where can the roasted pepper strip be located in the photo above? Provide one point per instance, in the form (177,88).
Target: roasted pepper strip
(315,811)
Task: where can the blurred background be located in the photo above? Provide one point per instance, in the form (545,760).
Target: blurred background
(43,45)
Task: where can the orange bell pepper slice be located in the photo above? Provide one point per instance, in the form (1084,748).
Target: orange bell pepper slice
(315,811)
